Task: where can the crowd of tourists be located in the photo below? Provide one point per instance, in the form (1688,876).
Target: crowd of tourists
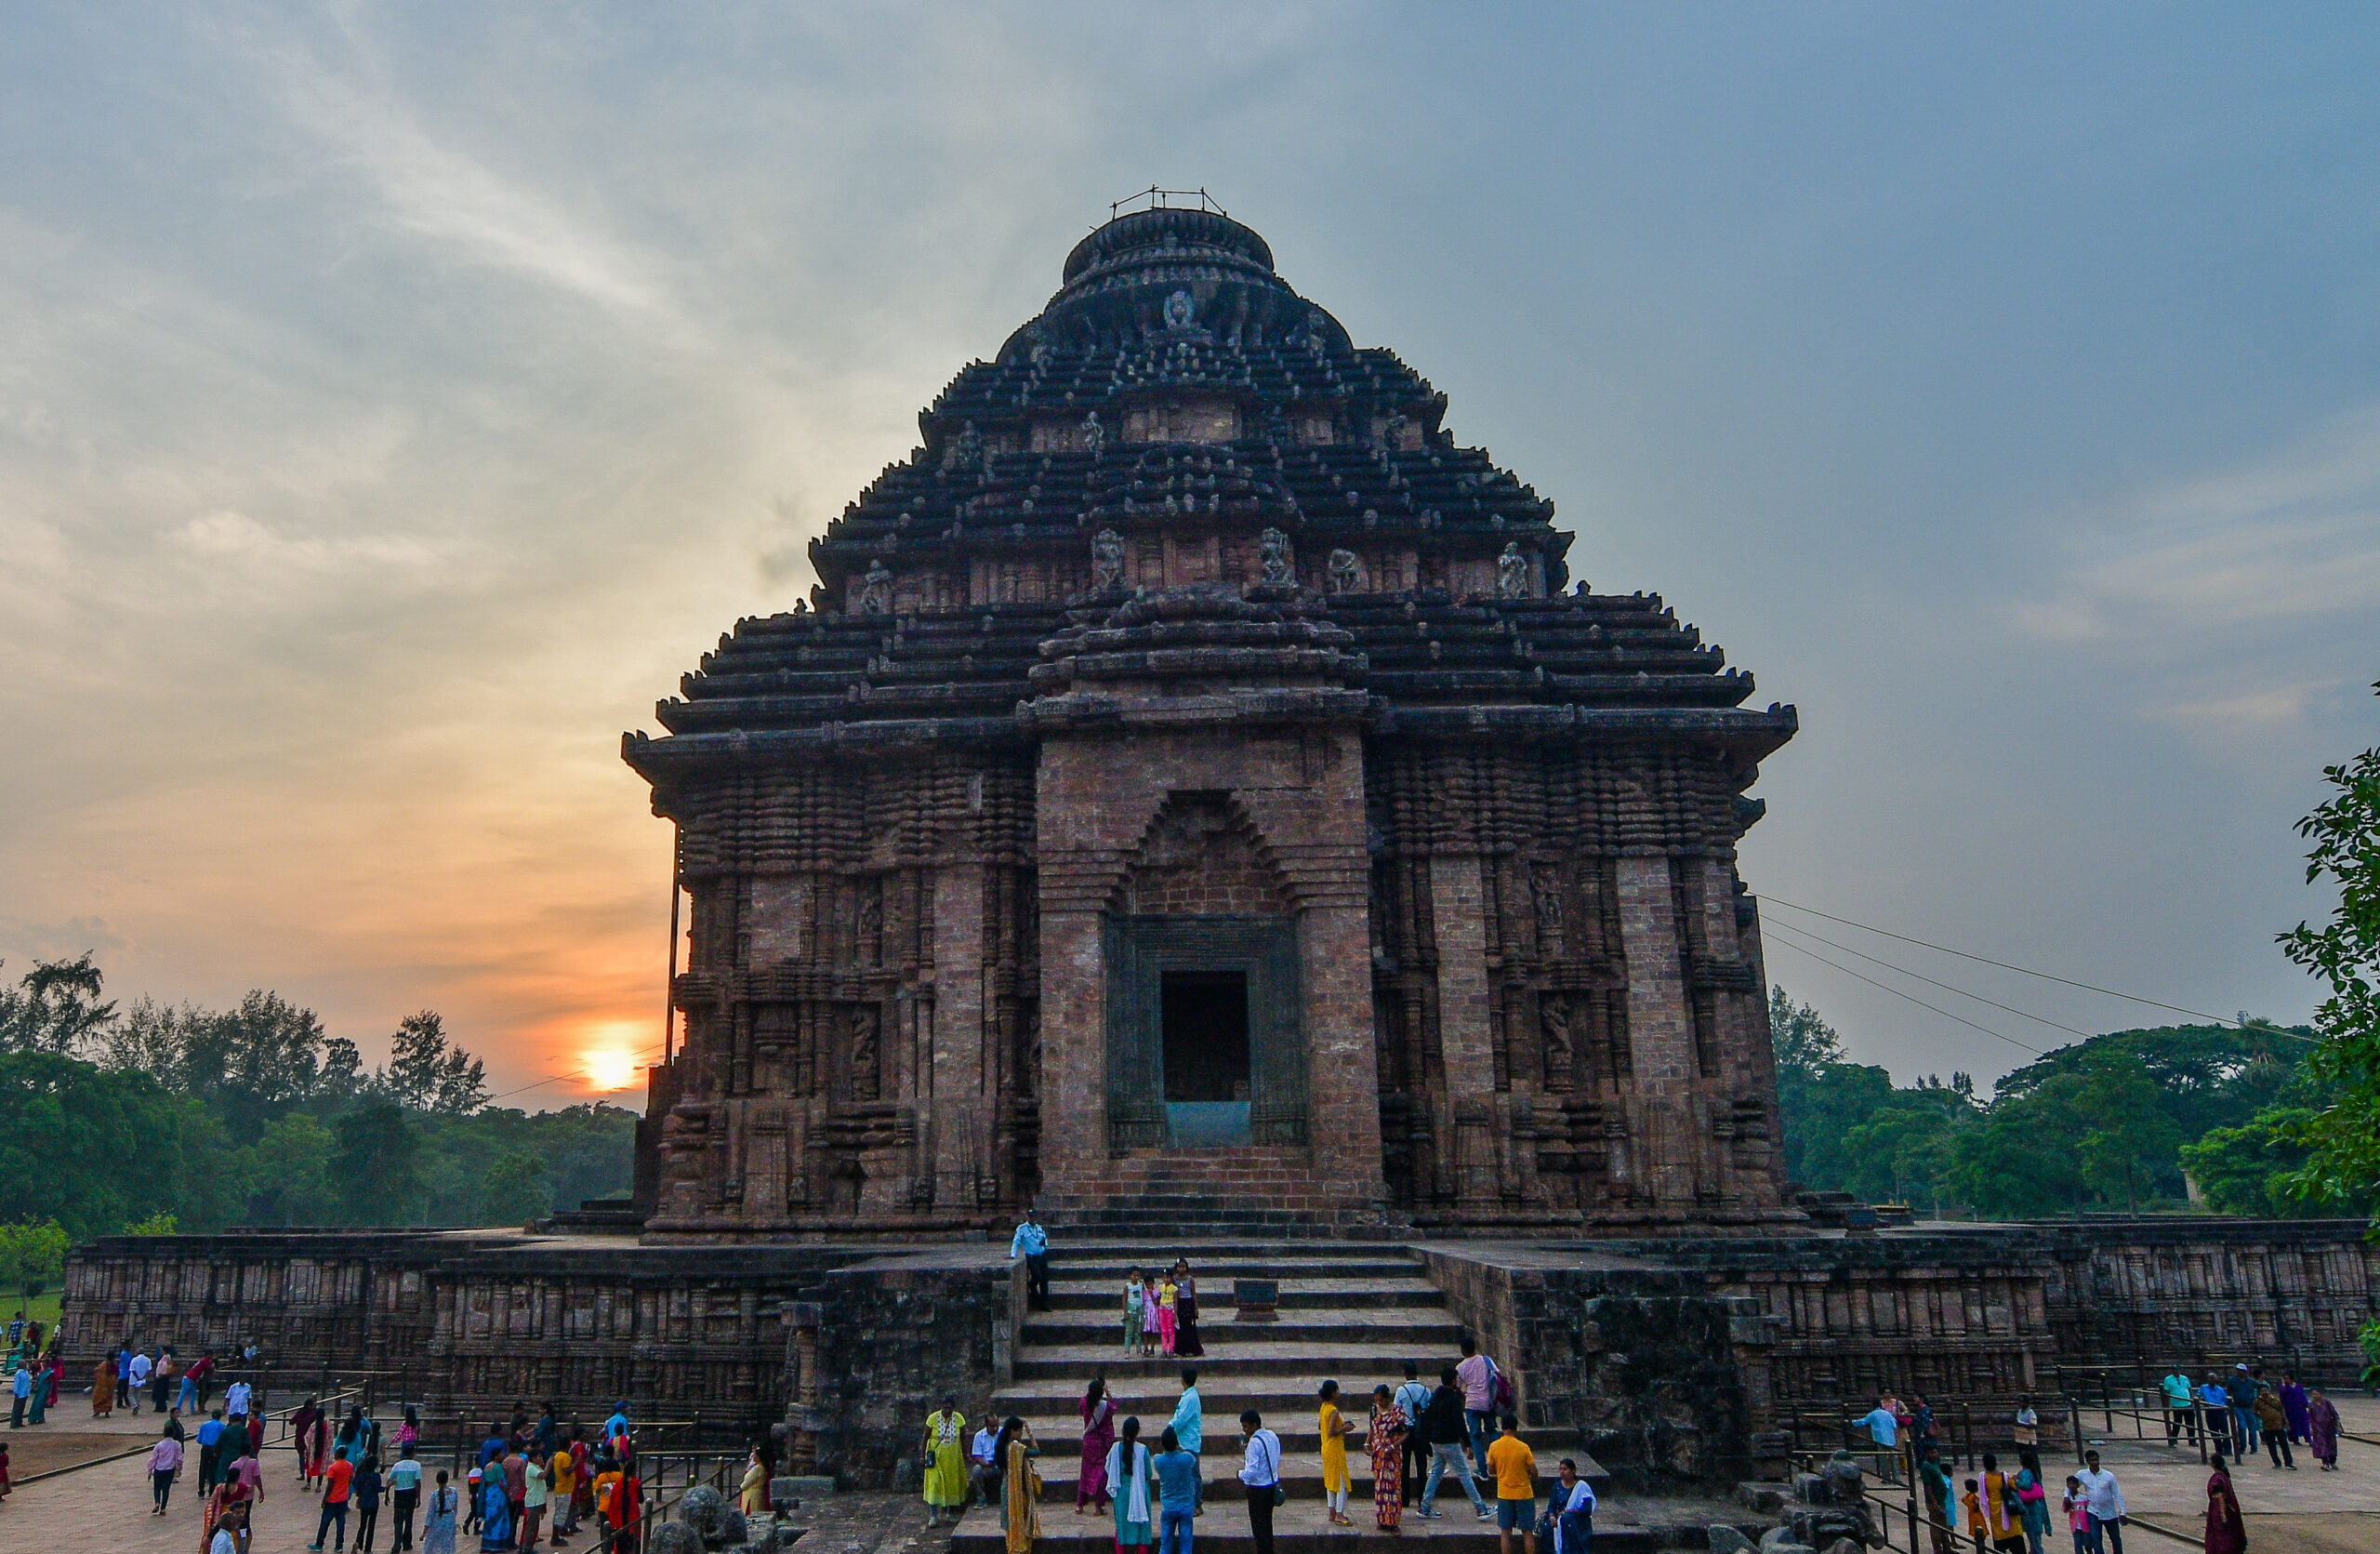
(1151,1486)
(2008,1509)
(529,1485)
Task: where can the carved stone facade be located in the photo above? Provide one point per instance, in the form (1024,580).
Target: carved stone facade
(1189,791)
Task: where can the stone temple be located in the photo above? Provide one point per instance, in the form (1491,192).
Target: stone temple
(1196,790)
(1197,800)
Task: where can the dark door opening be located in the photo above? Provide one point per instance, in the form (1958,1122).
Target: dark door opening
(1204,1015)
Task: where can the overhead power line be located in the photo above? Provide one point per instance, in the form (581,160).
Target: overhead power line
(2025,971)
(1907,997)
(1871,960)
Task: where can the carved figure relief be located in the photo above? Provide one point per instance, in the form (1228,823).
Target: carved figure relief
(1106,561)
(876,589)
(1343,573)
(1511,573)
(1094,436)
(1553,1029)
(1545,894)
(867,1079)
(1179,311)
(1275,564)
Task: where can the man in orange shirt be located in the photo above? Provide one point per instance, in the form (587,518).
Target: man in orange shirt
(1513,1466)
(334,1488)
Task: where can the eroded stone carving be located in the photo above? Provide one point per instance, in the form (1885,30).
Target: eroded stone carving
(1343,573)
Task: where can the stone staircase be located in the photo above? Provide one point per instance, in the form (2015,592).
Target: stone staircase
(1348,1311)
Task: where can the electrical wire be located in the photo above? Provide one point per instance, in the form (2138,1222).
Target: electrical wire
(1909,998)
(2010,1008)
(2026,971)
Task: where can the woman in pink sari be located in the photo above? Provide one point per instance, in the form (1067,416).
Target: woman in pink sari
(2225,1534)
(1098,1435)
(2322,1425)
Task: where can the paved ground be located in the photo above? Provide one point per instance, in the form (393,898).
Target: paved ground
(107,1506)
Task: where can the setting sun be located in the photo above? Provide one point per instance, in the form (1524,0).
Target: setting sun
(611,1069)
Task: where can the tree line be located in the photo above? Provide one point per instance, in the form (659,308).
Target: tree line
(2259,1118)
(177,1116)
(2128,1122)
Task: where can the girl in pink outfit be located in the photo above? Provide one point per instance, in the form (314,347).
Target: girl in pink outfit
(1165,1295)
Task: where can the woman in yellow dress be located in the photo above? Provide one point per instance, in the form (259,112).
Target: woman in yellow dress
(1021,1495)
(751,1496)
(946,1459)
(1335,1431)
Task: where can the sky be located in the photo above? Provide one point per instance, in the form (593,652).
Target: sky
(394,399)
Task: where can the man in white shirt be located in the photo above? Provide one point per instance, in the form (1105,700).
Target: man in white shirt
(139,1372)
(1262,1473)
(981,1452)
(1412,1399)
(235,1401)
(2106,1501)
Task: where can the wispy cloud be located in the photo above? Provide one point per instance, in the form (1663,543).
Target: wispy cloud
(2291,535)
(436,188)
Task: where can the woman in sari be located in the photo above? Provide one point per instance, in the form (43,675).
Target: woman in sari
(1021,1495)
(2225,1534)
(752,1494)
(230,1495)
(2323,1427)
(103,1388)
(1186,1311)
(1133,1475)
(308,1429)
(1098,1434)
(946,1475)
(496,1509)
(1385,1441)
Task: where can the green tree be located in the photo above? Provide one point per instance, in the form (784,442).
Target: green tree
(2342,1138)
(159,1224)
(373,1167)
(429,1075)
(518,1189)
(32,1257)
(2127,1142)
(55,1007)
(94,1149)
(292,1176)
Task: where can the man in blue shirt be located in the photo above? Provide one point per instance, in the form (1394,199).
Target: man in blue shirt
(1032,1243)
(1884,1430)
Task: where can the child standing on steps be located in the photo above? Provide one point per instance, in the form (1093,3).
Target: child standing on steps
(1148,1314)
(1135,1301)
(1166,1296)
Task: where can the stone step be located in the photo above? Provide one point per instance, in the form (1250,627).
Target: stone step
(1214,1296)
(1297,1424)
(1420,1331)
(1104,1267)
(1302,1471)
(1236,1243)
(1074,1363)
(1299,1527)
(1222,1393)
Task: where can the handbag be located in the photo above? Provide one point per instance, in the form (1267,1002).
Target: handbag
(1501,1389)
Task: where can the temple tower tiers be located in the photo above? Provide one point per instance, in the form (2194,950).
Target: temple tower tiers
(1189,795)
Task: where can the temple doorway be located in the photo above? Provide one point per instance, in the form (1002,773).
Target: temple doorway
(1204,1019)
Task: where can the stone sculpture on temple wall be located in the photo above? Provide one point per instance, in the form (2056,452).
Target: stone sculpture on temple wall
(1343,573)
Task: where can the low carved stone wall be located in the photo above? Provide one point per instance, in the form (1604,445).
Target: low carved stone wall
(1696,1358)
(1665,1378)
(860,1343)
(1677,1358)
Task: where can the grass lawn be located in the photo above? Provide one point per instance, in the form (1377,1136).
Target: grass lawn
(41,1308)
